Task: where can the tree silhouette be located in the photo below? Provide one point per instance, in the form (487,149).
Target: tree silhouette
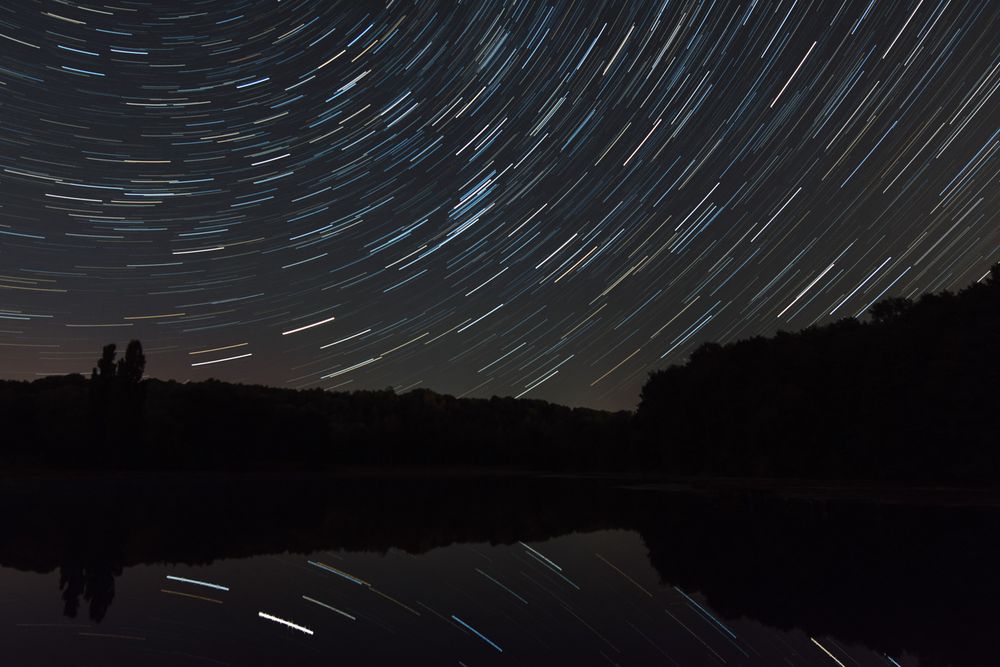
(128,370)
(994,278)
(105,369)
(889,309)
(905,395)
(117,397)
(131,368)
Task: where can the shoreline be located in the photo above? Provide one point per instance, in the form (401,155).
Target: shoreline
(924,493)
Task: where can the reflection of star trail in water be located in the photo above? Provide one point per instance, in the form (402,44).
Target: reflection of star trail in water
(542,199)
(620,613)
(553,570)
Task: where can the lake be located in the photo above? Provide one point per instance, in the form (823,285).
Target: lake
(462,569)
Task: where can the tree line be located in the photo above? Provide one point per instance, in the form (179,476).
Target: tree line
(908,394)
(911,393)
(118,419)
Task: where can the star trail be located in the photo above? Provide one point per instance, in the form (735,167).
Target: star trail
(538,199)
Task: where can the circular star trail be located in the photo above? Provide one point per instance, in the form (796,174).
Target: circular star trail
(517,198)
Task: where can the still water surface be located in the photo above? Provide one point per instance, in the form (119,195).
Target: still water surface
(492,571)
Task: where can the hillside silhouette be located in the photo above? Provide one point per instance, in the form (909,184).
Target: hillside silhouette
(908,394)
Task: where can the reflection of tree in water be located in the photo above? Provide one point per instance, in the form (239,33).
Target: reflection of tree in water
(892,577)
(92,557)
(94,581)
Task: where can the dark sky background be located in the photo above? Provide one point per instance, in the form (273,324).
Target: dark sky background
(545,199)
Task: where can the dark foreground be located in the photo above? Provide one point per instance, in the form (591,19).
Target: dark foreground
(907,395)
(469,569)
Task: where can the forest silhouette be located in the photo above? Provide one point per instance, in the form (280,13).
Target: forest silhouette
(907,394)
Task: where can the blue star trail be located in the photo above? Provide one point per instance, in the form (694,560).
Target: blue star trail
(538,199)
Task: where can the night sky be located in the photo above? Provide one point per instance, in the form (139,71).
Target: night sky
(545,199)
